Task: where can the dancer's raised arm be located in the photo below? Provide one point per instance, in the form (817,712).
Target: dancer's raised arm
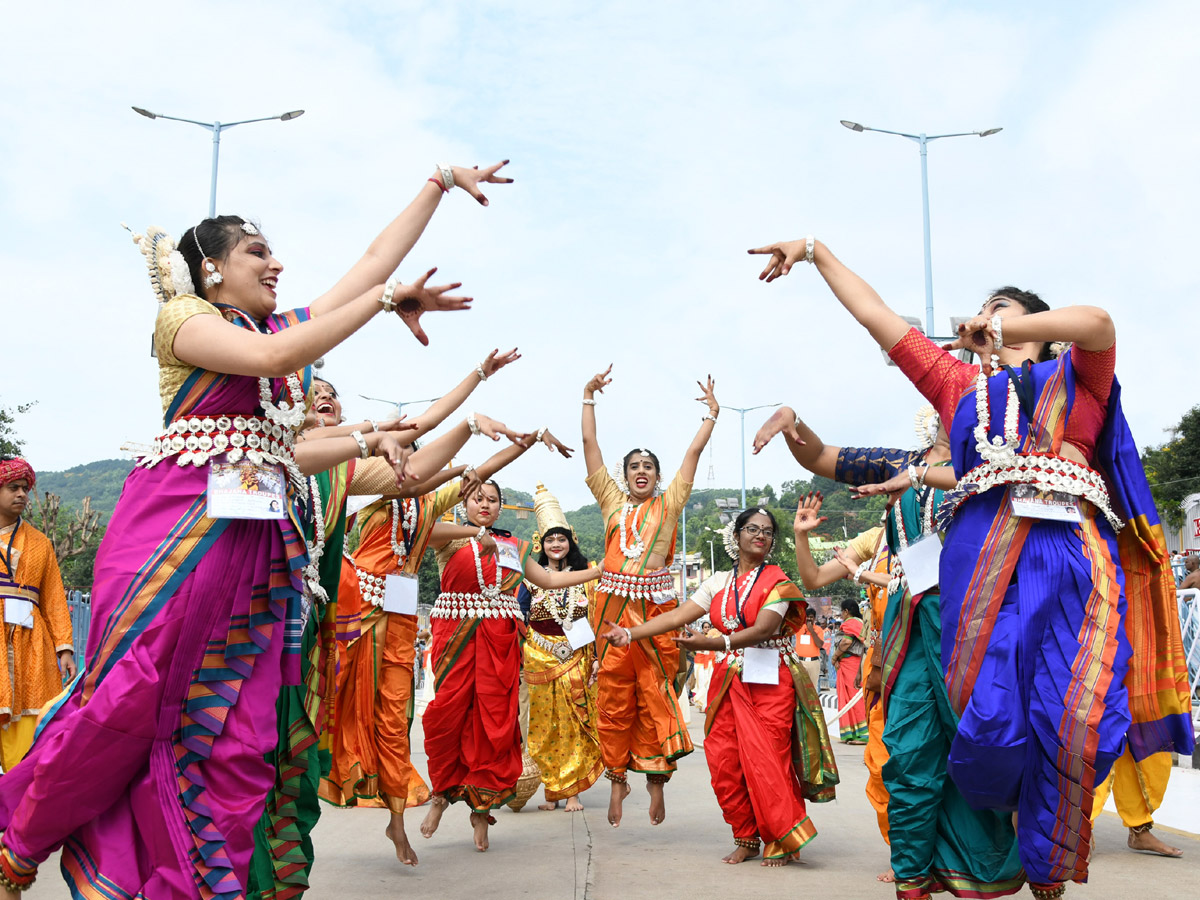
(691,458)
(592,457)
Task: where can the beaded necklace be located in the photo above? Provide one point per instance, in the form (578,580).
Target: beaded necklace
(638,547)
(487,591)
(405,525)
(316,549)
(739,598)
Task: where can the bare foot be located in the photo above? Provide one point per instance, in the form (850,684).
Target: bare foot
(549,804)
(479,823)
(1147,842)
(620,790)
(573,804)
(433,818)
(6,894)
(740,854)
(888,877)
(658,805)
(395,834)
(778,861)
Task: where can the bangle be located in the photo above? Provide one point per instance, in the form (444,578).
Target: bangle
(862,567)
(441,187)
(482,533)
(587,401)
(374,425)
(479,371)
(998,328)
(728,644)
(809,244)
(389,290)
(542,431)
(708,418)
(447,175)
(470,469)
(914,478)
(473,425)
(363,450)
(628,634)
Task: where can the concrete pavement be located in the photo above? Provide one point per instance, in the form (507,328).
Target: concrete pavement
(563,856)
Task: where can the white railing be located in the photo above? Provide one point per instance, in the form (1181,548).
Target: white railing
(1189,627)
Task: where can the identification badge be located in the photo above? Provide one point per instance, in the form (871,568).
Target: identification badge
(1056,506)
(400,594)
(806,638)
(760,665)
(18,612)
(508,556)
(246,490)
(579,633)
(920,563)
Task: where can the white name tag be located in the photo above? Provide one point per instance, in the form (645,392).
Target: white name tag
(507,555)
(1057,506)
(760,665)
(244,490)
(920,562)
(579,633)
(806,638)
(400,594)
(18,612)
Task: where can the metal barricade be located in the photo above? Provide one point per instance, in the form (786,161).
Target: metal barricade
(1189,628)
(80,607)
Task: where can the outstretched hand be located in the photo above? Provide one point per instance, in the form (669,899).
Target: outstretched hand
(489,427)
(808,513)
(555,445)
(615,634)
(416,299)
(597,383)
(895,486)
(708,398)
(691,641)
(782,420)
(842,555)
(784,255)
(496,361)
(470,179)
(397,455)
(396,425)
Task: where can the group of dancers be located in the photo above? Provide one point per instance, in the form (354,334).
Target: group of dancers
(240,665)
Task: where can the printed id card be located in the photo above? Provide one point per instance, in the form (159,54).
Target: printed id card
(18,612)
(400,594)
(508,556)
(1057,506)
(579,633)
(246,490)
(760,665)
(920,562)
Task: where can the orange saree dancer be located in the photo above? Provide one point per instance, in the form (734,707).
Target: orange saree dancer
(767,746)
(641,724)
(472,733)
(374,709)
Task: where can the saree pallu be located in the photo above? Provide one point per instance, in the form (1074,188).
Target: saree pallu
(766,744)
(1035,638)
(563,739)
(852,725)
(149,769)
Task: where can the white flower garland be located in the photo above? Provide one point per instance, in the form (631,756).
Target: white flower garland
(999,449)
(402,526)
(316,549)
(638,547)
(743,593)
(489,592)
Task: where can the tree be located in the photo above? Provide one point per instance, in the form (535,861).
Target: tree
(1173,468)
(10,444)
(71,536)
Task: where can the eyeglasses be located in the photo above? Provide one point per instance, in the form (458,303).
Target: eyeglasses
(755,530)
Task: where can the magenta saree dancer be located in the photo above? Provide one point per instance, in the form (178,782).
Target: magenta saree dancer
(149,770)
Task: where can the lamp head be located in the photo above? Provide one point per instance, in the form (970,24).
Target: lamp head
(990,131)
(144,112)
(294,114)
(853,126)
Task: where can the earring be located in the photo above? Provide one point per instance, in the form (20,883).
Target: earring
(213,279)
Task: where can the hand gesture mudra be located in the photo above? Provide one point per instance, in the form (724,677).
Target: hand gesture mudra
(782,420)
(895,486)
(615,634)
(708,398)
(397,455)
(597,383)
(496,361)
(555,445)
(414,300)
(470,179)
(808,513)
(976,335)
(784,255)
(398,424)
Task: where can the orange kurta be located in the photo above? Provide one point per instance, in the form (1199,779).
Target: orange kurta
(875,753)
(641,724)
(29,677)
(371,753)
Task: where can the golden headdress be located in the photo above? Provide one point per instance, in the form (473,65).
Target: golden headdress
(549,516)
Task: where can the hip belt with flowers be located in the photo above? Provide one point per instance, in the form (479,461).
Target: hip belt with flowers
(658,587)
(783,644)
(475,605)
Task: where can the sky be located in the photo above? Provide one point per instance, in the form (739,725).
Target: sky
(651,144)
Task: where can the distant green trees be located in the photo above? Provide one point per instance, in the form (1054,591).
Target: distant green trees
(1173,468)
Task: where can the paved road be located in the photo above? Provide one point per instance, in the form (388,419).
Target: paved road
(580,857)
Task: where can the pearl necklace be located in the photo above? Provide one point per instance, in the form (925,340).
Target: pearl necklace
(562,610)
(638,547)
(290,417)
(489,591)
(312,574)
(404,525)
(739,597)
(999,449)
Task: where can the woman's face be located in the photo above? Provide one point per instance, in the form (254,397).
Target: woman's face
(249,275)
(556,546)
(642,476)
(756,537)
(483,507)
(326,408)
(1011,354)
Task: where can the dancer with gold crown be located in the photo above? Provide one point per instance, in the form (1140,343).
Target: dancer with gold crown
(560,666)
(641,724)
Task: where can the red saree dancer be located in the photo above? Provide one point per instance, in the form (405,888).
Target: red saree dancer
(848,657)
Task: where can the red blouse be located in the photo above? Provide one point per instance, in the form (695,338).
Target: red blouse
(943,379)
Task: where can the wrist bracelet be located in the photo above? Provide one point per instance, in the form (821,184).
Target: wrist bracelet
(473,425)
(469,470)
(862,568)
(728,644)
(374,425)
(363,450)
(809,244)
(389,290)
(588,402)
(447,174)
(913,478)
(479,371)
(708,418)
(441,187)
(482,533)
(542,432)
(998,328)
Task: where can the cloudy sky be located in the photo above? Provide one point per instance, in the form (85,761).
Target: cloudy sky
(652,144)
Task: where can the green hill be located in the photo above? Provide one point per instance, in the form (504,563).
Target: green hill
(101,480)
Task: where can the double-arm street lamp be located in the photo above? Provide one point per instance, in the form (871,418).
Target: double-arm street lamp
(742,412)
(922,141)
(216,128)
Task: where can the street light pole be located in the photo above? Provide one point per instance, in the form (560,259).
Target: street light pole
(742,412)
(922,140)
(399,404)
(216,128)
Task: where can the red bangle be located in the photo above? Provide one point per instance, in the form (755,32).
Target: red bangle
(441,187)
